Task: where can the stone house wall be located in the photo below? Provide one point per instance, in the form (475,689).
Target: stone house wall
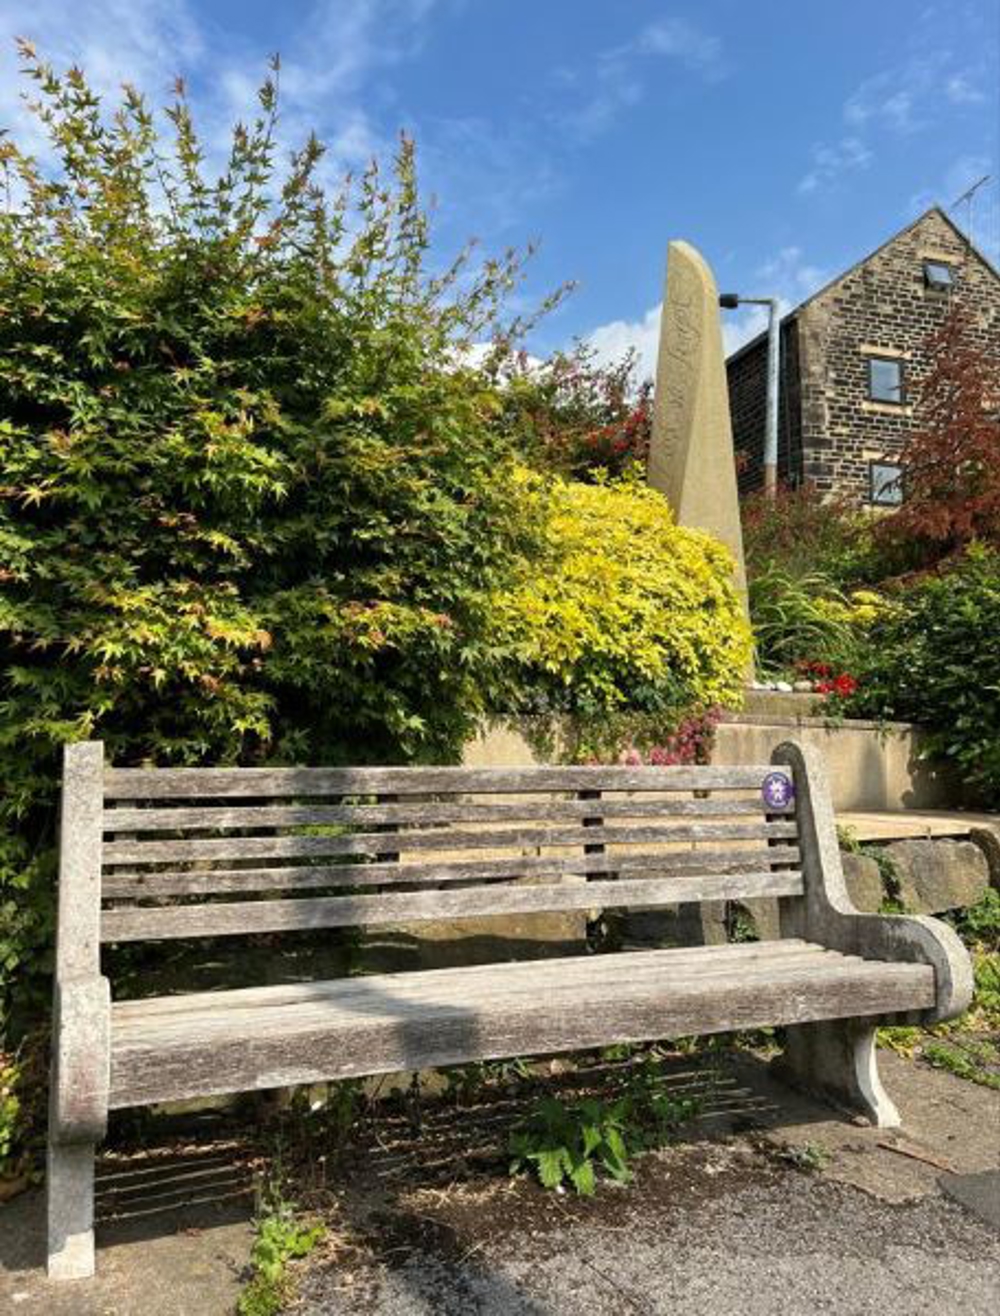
(832,430)
(747,375)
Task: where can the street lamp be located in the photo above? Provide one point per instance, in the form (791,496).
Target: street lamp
(729,301)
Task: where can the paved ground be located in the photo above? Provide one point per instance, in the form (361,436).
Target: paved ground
(785,1242)
(725,1223)
(177,1244)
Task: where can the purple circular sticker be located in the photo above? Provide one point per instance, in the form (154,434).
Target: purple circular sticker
(778,791)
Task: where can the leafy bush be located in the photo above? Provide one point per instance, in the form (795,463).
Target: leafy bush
(573,1142)
(254,508)
(799,534)
(574,417)
(22,1113)
(621,608)
(979,924)
(934,658)
(805,558)
(251,509)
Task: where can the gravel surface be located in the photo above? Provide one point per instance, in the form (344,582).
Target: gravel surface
(794,1244)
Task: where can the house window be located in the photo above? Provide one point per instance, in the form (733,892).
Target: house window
(885,379)
(938,276)
(885,484)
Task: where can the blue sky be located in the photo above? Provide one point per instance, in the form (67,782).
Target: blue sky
(785,138)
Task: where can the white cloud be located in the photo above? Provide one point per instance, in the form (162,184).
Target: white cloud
(113,40)
(830,161)
(961,90)
(611,341)
(696,49)
(900,99)
(789,271)
(617,83)
(326,60)
(334,58)
(907,98)
(786,275)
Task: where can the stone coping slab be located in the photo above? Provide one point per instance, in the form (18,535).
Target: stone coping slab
(905,824)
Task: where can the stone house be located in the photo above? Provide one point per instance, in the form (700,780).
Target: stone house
(852,357)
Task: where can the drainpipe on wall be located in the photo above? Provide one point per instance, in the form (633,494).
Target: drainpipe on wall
(729,301)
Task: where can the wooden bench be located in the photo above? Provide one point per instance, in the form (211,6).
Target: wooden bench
(148,854)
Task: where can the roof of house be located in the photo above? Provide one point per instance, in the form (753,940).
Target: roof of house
(934,210)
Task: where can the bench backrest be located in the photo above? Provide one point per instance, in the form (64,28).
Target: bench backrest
(206,852)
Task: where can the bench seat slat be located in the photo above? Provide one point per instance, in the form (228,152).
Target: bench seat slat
(241,917)
(144,1012)
(264,783)
(445,838)
(162,883)
(174,818)
(396,1022)
(308,1013)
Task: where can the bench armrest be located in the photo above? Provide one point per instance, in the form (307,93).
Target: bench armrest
(81,1059)
(826,913)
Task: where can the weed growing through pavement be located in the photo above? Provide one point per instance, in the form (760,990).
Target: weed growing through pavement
(281,1236)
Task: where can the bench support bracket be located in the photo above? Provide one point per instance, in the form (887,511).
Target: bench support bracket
(836,1060)
(81,1021)
(71,1210)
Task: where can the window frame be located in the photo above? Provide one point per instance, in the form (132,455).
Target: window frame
(900,364)
(929,282)
(899,482)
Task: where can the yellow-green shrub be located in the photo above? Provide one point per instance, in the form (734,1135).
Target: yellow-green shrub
(622,607)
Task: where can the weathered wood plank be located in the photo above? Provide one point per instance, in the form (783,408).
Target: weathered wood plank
(387,1035)
(450,838)
(264,783)
(208,817)
(137,1012)
(240,917)
(220,881)
(339,1008)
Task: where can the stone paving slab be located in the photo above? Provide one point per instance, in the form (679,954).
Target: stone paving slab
(978,1193)
(906,824)
(174,1240)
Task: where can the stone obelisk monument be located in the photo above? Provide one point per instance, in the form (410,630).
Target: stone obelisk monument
(691,456)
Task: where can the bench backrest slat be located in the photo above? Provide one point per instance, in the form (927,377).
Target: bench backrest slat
(200,817)
(446,838)
(159,882)
(243,783)
(241,917)
(195,852)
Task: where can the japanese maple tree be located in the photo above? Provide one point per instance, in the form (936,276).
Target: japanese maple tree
(952,458)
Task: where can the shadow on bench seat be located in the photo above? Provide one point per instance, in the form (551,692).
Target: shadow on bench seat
(161,854)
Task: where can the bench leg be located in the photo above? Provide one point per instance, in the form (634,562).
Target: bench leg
(71,1210)
(837,1061)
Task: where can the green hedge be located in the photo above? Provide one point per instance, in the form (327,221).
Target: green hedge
(934,658)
